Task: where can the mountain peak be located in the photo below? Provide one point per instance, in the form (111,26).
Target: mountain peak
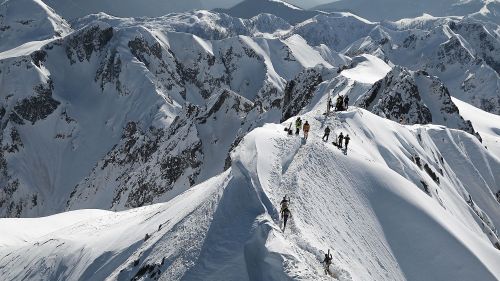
(24,21)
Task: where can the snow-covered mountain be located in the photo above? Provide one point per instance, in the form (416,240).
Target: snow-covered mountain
(463,53)
(157,145)
(251,8)
(397,9)
(382,216)
(28,21)
(413,97)
(73,9)
(166,93)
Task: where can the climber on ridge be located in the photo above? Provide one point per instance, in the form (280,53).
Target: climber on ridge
(285,214)
(346,102)
(298,125)
(341,138)
(327,134)
(306,130)
(340,103)
(284,203)
(329,105)
(347,139)
(327,262)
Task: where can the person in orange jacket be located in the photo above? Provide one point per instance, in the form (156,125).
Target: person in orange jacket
(306,128)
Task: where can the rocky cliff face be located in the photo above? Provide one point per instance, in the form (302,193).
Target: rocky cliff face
(413,98)
(115,116)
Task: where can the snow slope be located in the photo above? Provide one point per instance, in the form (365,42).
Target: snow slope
(463,53)
(487,124)
(366,69)
(367,205)
(26,21)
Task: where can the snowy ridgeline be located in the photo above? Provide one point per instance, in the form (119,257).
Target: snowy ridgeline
(186,113)
(368,205)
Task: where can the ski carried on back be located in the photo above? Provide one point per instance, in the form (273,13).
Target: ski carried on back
(327,261)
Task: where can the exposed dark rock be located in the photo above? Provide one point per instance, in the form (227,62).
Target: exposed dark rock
(398,97)
(300,91)
(109,71)
(83,44)
(37,107)
(16,142)
(38,57)
(140,48)
(431,173)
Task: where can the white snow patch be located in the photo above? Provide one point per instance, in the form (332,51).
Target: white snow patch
(368,69)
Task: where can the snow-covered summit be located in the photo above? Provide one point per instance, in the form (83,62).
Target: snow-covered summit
(124,8)
(378,10)
(250,8)
(25,21)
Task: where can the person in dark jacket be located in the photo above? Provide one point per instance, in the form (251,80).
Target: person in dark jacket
(329,105)
(284,203)
(340,103)
(341,139)
(285,214)
(346,102)
(327,262)
(327,134)
(347,139)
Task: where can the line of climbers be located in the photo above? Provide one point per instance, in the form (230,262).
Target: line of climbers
(285,215)
(342,104)
(340,142)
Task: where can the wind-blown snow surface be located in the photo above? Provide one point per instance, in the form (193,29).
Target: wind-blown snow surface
(368,206)
(367,69)
(487,124)
(173,79)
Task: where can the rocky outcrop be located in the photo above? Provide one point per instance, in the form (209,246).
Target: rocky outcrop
(412,97)
(300,91)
